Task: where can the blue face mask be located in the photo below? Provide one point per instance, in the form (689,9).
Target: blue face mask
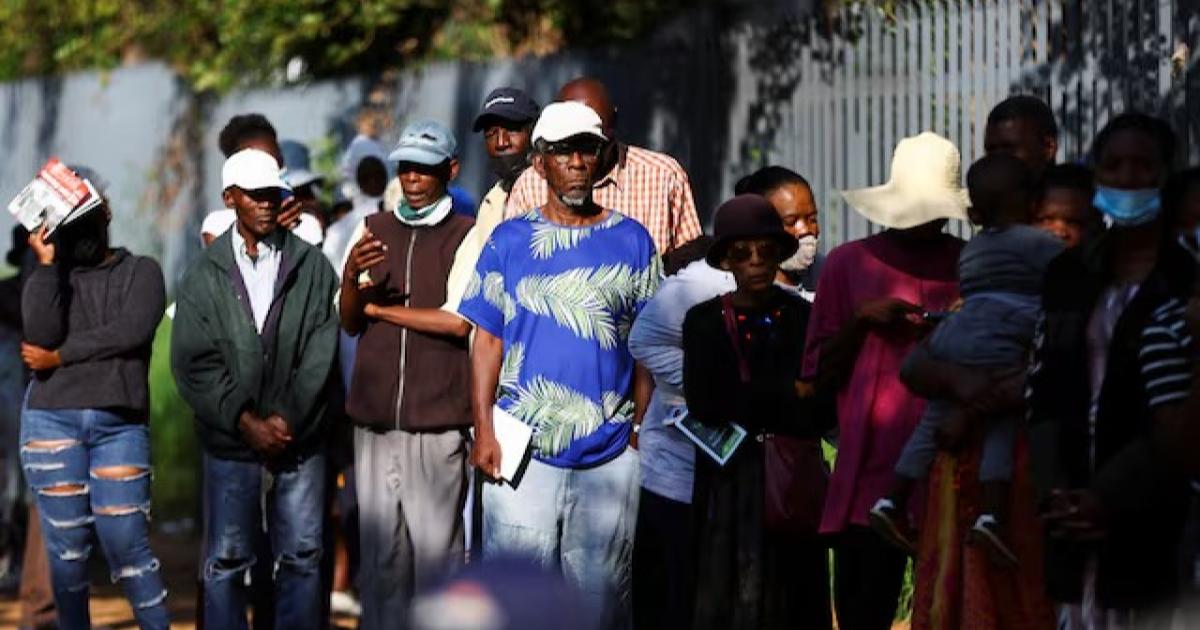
(1128,207)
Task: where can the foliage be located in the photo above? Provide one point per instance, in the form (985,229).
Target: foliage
(219,45)
(174,450)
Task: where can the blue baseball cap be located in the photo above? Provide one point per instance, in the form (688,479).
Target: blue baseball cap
(425,142)
(508,104)
(297,165)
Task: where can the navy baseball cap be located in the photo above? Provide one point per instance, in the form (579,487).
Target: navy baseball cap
(509,104)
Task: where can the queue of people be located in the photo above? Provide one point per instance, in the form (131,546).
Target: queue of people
(1013,415)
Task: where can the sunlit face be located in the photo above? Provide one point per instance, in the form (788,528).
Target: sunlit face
(257,210)
(569,168)
(424,185)
(797,208)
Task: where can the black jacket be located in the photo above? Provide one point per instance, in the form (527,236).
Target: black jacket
(1147,501)
(223,366)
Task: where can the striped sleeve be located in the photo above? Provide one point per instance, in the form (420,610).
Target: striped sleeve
(1165,355)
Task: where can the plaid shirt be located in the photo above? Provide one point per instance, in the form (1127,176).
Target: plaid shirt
(647,186)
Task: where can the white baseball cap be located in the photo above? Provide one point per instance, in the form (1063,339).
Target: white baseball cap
(560,121)
(251,169)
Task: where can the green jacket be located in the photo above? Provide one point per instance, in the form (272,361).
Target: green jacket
(223,366)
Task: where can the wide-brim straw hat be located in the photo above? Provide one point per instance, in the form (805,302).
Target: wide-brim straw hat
(924,186)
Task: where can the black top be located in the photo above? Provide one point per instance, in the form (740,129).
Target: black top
(101,320)
(773,346)
(1146,501)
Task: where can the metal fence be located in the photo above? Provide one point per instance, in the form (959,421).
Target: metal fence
(725,89)
(941,66)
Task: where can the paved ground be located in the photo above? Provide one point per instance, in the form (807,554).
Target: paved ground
(178,556)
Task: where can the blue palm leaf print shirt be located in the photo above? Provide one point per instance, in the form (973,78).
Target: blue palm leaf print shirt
(562,299)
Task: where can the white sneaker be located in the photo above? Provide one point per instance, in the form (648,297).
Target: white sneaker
(344,603)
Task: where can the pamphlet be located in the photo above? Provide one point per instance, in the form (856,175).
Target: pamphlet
(56,196)
(514,437)
(719,443)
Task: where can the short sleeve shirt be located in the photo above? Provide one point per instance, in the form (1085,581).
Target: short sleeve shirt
(563,299)
(1166,355)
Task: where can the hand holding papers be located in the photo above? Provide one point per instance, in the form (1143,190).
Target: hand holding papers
(56,197)
(514,437)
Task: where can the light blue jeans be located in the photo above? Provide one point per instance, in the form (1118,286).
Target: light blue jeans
(61,452)
(579,521)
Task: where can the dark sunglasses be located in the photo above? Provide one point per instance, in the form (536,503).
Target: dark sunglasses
(742,251)
(563,150)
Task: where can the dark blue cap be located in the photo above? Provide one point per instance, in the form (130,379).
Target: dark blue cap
(509,104)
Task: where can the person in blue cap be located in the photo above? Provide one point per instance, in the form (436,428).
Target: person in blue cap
(408,394)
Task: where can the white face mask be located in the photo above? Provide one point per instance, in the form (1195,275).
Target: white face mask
(804,257)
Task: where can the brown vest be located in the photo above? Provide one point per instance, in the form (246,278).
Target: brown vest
(404,379)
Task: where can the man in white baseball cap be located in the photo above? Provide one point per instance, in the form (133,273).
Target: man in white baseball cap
(252,351)
(552,298)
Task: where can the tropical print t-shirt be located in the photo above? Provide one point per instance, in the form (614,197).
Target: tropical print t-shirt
(562,299)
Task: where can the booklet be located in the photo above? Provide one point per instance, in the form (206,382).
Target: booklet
(719,443)
(514,437)
(55,197)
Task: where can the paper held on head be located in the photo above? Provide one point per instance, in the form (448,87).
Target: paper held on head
(56,196)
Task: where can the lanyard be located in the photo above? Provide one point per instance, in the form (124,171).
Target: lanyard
(732,330)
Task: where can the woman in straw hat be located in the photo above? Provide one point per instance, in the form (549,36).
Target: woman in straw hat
(866,318)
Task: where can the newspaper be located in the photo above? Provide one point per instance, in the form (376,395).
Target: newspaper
(719,443)
(55,197)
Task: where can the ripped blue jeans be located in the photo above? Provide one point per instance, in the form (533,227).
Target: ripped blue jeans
(90,471)
(240,497)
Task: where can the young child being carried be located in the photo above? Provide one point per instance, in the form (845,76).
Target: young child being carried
(1000,278)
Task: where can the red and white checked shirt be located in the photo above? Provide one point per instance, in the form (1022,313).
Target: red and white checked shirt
(646,186)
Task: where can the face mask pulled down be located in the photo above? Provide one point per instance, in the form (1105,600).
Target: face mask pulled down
(508,167)
(1127,208)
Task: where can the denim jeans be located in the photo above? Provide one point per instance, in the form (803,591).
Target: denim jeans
(238,497)
(67,454)
(579,521)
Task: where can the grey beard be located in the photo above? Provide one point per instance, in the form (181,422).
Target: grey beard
(575,202)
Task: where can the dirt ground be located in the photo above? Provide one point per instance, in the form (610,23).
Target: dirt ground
(109,608)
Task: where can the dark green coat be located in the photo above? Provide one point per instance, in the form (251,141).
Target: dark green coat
(223,366)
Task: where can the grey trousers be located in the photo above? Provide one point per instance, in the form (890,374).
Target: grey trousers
(411,488)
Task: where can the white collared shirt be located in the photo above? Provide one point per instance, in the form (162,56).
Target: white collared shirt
(258,274)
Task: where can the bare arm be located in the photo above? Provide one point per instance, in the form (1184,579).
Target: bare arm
(434,321)
(366,253)
(487,353)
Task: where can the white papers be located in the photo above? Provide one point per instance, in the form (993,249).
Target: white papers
(514,437)
(719,443)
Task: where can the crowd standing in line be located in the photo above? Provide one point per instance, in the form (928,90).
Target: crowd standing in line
(1017,412)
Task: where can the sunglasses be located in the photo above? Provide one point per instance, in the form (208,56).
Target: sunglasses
(563,151)
(742,251)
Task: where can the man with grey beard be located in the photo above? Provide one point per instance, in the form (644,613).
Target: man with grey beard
(793,199)
(553,297)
